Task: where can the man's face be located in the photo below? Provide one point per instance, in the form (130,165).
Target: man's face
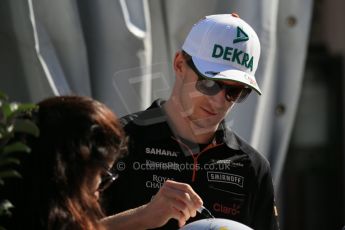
(204,111)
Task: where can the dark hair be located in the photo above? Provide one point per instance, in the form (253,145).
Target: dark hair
(78,135)
(186,56)
(191,64)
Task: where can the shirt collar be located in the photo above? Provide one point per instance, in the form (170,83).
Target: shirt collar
(155,114)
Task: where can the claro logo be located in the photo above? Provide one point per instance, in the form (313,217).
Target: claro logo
(233,210)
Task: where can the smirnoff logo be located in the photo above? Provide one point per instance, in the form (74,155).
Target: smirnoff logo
(226,178)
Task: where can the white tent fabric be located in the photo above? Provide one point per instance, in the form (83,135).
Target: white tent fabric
(22,75)
(277,111)
(61,22)
(119,52)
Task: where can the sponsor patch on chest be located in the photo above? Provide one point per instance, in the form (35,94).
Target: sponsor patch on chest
(157,181)
(226,178)
(233,210)
(160,152)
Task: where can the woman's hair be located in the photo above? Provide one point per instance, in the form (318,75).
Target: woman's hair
(78,136)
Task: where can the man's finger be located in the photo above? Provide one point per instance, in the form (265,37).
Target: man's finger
(187,189)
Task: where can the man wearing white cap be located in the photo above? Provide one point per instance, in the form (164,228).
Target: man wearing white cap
(185,138)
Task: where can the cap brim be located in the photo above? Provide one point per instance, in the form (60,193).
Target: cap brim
(222,72)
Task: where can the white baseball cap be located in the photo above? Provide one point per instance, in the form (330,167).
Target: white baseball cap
(224,47)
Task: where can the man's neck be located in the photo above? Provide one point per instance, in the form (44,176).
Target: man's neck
(185,128)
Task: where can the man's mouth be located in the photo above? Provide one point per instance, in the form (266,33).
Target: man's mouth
(208,111)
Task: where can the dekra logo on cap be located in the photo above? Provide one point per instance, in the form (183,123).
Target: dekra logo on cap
(241,36)
(233,54)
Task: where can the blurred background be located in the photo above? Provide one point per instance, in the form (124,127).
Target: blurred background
(120,52)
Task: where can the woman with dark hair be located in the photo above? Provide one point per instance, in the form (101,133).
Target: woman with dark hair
(70,163)
(79,140)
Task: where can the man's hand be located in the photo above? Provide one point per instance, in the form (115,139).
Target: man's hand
(173,200)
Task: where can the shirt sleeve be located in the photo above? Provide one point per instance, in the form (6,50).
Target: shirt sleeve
(265,212)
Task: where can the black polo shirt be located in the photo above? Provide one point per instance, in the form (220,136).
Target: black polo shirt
(232,178)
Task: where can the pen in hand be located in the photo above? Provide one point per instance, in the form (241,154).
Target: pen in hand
(205,212)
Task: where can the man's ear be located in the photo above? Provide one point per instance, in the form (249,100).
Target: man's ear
(179,64)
